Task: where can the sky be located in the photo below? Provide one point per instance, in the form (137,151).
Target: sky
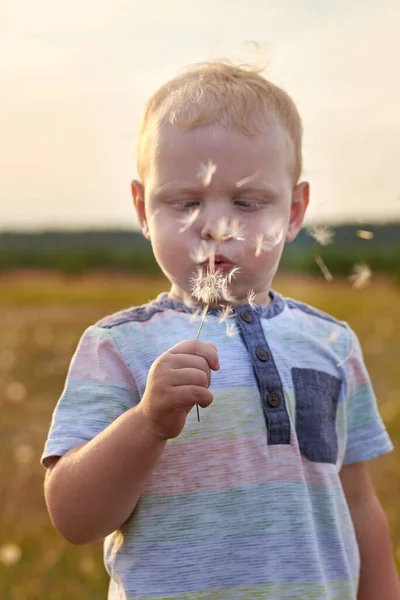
(74,76)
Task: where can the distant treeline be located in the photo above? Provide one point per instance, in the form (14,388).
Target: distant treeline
(81,251)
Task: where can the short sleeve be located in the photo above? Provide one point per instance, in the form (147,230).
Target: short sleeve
(98,389)
(366,434)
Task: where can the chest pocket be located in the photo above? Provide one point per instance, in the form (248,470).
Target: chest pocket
(317,395)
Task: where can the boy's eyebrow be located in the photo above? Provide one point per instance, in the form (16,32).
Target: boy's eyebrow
(188,187)
(177,186)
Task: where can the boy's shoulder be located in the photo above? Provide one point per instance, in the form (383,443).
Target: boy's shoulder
(295,305)
(141,313)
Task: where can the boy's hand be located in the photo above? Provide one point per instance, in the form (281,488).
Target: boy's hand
(178,380)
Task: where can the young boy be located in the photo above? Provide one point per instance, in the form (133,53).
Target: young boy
(268,495)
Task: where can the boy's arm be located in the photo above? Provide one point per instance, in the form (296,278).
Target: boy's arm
(93,489)
(378,576)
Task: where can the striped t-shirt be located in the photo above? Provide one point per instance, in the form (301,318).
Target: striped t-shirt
(247,503)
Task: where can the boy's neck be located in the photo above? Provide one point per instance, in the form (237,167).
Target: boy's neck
(178,295)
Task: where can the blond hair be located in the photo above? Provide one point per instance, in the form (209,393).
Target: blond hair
(220,92)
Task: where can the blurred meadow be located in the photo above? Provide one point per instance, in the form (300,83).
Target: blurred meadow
(42,316)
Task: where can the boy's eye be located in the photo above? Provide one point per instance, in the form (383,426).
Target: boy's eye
(187,204)
(249,204)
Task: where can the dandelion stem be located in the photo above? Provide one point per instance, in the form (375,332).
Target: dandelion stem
(203,318)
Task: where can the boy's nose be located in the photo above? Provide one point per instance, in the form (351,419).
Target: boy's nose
(211,227)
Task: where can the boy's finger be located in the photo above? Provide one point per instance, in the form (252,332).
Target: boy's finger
(206,349)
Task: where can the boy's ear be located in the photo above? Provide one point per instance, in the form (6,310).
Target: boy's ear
(138,201)
(300,200)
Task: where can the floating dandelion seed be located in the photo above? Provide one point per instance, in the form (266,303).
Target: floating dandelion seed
(322,234)
(231,329)
(229,229)
(195,315)
(266,244)
(250,299)
(201,253)
(237,230)
(248,179)
(228,298)
(232,274)
(225,314)
(361,276)
(339,364)
(206,172)
(187,220)
(153,216)
(325,271)
(364,234)
(333,335)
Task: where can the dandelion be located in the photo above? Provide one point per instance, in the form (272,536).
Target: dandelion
(322,234)
(364,234)
(361,276)
(265,244)
(246,180)
(325,271)
(187,220)
(231,329)
(206,171)
(208,288)
(250,299)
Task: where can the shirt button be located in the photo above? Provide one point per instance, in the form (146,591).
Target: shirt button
(262,354)
(247,316)
(273,399)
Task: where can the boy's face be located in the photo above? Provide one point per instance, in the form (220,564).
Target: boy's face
(251,184)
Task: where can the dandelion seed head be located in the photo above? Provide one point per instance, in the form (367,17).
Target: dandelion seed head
(208,287)
(322,234)
(206,171)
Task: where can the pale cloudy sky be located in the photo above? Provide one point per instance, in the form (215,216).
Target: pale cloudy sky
(74,75)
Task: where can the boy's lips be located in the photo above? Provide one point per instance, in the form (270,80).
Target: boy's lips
(221,262)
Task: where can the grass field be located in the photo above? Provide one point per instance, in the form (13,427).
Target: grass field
(41,320)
